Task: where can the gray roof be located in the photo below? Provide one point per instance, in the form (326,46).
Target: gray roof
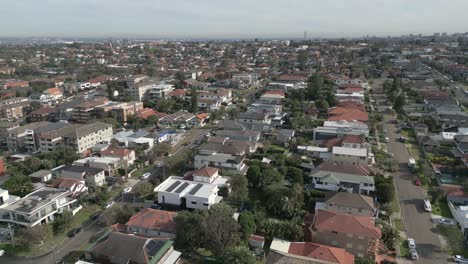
(40,174)
(337,178)
(123,248)
(81,169)
(252,115)
(31,126)
(90,128)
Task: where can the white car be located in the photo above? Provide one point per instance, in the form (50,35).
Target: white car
(460,259)
(109,204)
(387,139)
(145,176)
(413,254)
(411,243)
(2,252)
(127,190)
(444,221)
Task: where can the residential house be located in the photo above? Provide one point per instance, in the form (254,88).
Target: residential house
(349,203)
(91,176)
(336,181)
(282,251)
(254,118)
(152,223)
(272,97)
(356,156)
(84,111)
(160,91)
(360,169)
(74,186)
(334,129)
(6,198)
(41,176)
(285,135)
(179,119)
(207,175)
(108,164)
(131,138)
(38,207)
(126,156)
(225,157)
(120,248)
(356,234)
(48,96)
(176,191)
(120,111)
(247,135)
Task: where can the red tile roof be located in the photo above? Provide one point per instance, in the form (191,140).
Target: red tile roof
(332,142)
(116,152)
(257,238)
(205,172)
(16,84)
(177,93)
(274,93)
(54,91)
(288,77)
(321,252)
(147,112)
(346,223)
(353,139)
(154,219)
(203,116)
(350,115)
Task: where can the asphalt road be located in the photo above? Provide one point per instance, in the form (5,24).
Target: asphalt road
(417,222)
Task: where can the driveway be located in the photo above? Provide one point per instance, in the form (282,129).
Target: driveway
(417,222)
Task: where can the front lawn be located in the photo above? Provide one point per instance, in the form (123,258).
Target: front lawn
(454,239)
(441,208)
(404,249)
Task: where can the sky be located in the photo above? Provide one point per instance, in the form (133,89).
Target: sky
(230,18)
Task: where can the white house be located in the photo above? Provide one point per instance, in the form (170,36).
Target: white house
(334,181)
(195,195)
(39,207)
(6,198)
(108,164)
(356,156)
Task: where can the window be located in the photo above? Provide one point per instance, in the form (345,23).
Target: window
(349,245)
(360,237)
(362,158)
(193,202)
(334,232)
(206,204)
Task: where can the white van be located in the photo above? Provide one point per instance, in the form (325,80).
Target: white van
(427,205)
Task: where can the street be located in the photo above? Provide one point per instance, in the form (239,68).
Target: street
(418,224)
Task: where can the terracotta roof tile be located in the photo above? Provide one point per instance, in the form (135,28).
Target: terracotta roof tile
(346,223)
(154,219)
(321,252)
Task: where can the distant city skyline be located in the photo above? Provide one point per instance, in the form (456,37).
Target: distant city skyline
(231,19)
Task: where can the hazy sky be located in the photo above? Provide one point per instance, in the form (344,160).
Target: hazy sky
(230,18)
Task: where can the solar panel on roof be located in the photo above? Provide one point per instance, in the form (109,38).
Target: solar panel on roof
(182,187)
(173,186)
(196,188)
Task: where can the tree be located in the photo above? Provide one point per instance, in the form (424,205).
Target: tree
(296,175)
(247,224)
(62,222)
(314,87)
(19,185)
(143,189)
(190,229)
(193,100)
(238,255)
(282,201)
(33,235)
(399,102)
(436,194)
(240,190)
(385,189)
(254,175)
(270,176)
(390,235)
(221,227)
(364,261)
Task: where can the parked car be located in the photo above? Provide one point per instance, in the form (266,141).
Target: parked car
(402,139)
(108,205)
(127,190)
(95,216)
(460,259)
(411,243)
(447,222)
(427,205)
(145,176)
(414,254)
(417,182)
(387,139)
(2,252)
(74,232)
